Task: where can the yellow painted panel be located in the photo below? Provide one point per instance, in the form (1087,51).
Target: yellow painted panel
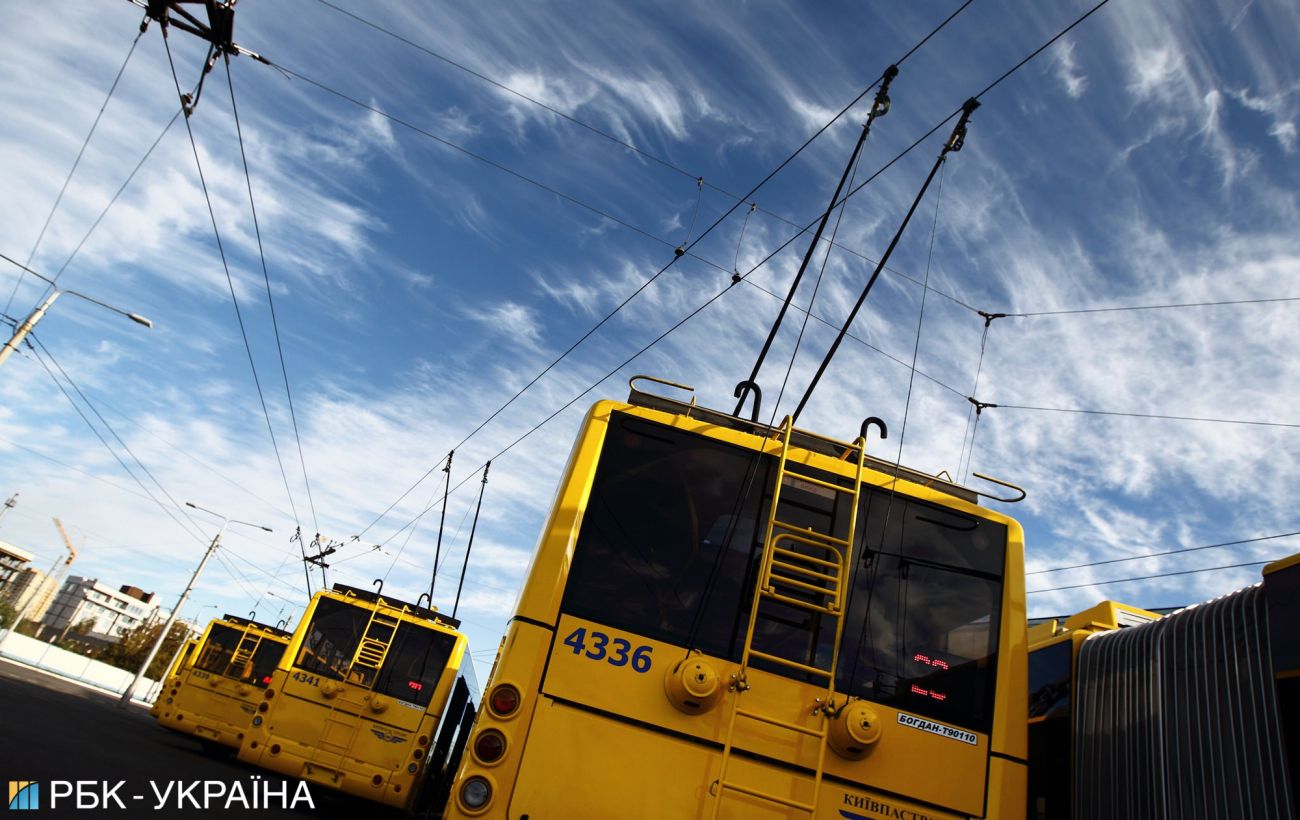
(1008,785)
(602,775)
(910,750)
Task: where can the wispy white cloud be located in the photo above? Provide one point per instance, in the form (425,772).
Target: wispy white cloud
(511,320)
(417,290)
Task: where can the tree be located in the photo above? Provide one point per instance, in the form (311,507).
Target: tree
(129,651)
(7,613)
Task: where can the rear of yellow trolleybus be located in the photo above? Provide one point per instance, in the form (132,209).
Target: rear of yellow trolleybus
(729,620)
(213,695)
(373,698)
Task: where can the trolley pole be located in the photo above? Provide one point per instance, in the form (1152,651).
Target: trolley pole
(125,700)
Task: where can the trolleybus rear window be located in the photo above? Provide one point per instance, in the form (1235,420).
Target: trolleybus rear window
(219,649)
(413,662)
(669,549)
(266,656)
(219,655)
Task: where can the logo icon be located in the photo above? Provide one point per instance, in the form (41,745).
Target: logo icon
(24,794)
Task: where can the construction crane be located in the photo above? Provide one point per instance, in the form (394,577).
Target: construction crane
(31,599)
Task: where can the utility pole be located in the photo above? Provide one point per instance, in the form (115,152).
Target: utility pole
(125,700)
(9,505)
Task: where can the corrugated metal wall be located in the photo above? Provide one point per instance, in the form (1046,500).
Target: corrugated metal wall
(1177,719)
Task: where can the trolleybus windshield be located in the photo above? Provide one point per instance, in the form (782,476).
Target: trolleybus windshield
(669,547)
(412,665)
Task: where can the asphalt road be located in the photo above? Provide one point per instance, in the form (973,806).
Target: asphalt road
(52,730)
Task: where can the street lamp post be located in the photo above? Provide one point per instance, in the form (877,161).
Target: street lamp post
(125,700)
(25,327)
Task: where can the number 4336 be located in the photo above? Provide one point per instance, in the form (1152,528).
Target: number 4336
(617,651)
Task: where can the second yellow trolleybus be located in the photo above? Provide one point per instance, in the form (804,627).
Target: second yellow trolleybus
(373,698)
(213,694)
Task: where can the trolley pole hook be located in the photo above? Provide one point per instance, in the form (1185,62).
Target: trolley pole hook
(873,421)
(283,623)
(379,587)
(742,392)
(252,615)
(424,595)
(1000,482)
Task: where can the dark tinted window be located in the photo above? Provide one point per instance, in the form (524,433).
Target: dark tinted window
(1049,680)
(669,549)
(412,665)
(219,648)
(669,512)
(332,637)
(265,657)
(1049,736)
(922,626)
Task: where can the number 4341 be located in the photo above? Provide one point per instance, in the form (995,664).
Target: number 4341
(616,651)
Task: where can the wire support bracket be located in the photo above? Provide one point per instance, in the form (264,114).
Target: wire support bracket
(218,32)
(980,406)
(989,317)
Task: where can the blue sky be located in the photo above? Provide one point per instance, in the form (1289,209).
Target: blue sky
(1148,158)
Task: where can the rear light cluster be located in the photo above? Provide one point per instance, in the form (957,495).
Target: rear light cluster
(504,700)
(489,746)
(475,793)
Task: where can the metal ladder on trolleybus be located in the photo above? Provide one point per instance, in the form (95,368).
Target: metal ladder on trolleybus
(815,583)
(371,652)
(242,659)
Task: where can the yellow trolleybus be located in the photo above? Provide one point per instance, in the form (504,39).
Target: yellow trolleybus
(1053,650)
(374,698)
(1191,715)
(729,619)
(213,696)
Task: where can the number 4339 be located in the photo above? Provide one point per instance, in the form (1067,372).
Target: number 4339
(616,651)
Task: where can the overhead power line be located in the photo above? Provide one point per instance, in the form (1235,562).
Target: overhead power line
(270,300)
(67,466)
(116,194)
(643,153)
(1151,577)
(486,160)
(678,253)
(1153,307)
(212,215)
(37,353)
(1143,415)
(739,200)
(68,179)
(1178,551)
(762,262)
(828,323)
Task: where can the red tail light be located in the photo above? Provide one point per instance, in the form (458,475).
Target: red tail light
(489,746)
(504,700)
